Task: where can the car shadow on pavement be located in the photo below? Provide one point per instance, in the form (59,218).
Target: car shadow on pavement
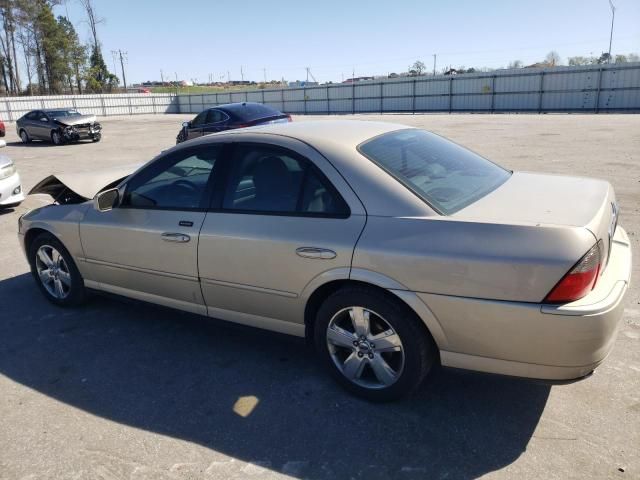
(182,376)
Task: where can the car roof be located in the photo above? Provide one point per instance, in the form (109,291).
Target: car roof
(318,133)
(54,109)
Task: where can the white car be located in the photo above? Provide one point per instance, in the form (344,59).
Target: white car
(10,187)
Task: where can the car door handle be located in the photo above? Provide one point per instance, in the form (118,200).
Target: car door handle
(176,237)
(315,252)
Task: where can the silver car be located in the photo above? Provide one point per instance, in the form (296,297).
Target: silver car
(390,248)
(58,125)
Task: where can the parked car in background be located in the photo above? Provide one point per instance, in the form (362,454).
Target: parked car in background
(10,187)
(58,125)
(388,247)
(230,116)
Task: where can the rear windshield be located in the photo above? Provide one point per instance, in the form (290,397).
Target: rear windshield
(252,111)
(445,175)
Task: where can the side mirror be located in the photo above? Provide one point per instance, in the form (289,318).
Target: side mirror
(106,200)
(186,124)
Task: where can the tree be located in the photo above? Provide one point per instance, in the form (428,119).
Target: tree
(75,54)
(8,45)
(515,64)
(553,58)
(576,61)
(604,58)
(417,68)
(55,47)
(93,19)
(98,78)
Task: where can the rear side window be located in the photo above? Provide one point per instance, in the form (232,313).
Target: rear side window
(265,179)
(445,175)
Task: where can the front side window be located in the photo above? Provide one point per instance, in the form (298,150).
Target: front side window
(200,119)
(216,116)
(445,175)
(265,179)
(176,182)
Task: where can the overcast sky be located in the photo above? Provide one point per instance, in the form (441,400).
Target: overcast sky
(196,38)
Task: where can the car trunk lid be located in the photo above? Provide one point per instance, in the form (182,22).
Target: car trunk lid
(543,199)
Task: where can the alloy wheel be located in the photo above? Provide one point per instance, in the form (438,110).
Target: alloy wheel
(53,272)
(365,348)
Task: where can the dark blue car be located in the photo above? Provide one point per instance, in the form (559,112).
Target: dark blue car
(227,117)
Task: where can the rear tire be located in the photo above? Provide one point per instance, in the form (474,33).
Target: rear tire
(24,136)
(373,345)
(55,272)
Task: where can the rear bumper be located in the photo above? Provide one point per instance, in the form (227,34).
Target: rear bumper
(553,342)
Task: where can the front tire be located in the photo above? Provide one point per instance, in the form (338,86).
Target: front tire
(373,345)
(55,272)
(56,138)
(96,138)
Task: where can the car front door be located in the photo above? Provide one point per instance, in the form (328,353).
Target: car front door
(216,121)
(146,247)
(194,129)
(284,218)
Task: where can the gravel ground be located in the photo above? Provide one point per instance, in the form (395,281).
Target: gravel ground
(122,390)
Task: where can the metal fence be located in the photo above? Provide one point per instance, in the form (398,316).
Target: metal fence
(593,88)
(12,108)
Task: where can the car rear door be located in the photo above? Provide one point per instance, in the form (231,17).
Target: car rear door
(39,129)
(283,218)
(146,247)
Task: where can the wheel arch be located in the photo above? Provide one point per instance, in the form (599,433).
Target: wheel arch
(409,299)
(32,234)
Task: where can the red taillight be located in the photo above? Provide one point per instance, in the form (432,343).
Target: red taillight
(580,280)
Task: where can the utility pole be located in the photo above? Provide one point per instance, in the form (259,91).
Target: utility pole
(434,64)
(121,54)
(228,77)
(241,74)
(161,77)
(613,17)
(264,71)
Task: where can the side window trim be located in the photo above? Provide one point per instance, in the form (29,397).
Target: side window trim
(224,176)
(207,194)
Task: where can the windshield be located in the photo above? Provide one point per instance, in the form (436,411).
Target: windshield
(445,175)
(62,113)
